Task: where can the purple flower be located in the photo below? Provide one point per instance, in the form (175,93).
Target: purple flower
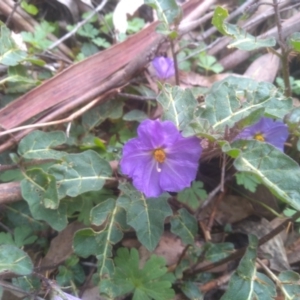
(160,159)
(164,67)
(266,130)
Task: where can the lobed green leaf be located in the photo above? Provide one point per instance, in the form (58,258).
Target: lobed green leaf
(145,216)
(151,282)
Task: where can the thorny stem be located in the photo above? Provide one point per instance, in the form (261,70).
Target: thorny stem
(12,12)
(175,62)
(284,51)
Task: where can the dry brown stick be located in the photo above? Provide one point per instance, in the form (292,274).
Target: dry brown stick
(215,283)
(284,51)
(10,192)
(214,210)
(69,119)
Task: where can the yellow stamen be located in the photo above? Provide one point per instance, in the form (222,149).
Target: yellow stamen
(259,137)
(159,155)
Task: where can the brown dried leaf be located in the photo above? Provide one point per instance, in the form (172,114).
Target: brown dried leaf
(61,246)
(264,68)
(230,210)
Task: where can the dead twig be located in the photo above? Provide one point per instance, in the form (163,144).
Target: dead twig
(284,51)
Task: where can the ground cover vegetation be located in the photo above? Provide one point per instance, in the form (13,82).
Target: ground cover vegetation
(149,149)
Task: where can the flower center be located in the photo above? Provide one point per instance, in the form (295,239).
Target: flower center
(259,137)
(159,155)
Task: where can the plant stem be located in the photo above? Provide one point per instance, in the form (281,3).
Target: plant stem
(284,51)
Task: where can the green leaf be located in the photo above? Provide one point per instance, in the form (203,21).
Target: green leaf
(88,30)
(135,115)
(100,212)
(246,41)
(110,109)
(241,283)
(38,39)
(135,25)
(10,54)
(6,239)
(18,80)
(145,216)
(89,49)
(220,14)
(243,40)
(167,10)
(234,99)
(42,185)
(290,283)
(216,252)
(191,290)
(151,282)
(209,63)
(29,283)
(276,170)
(101,42)
(248,180)
(39,190)
(185,226)
(107,238)
(24,236)
(85,243)
(88,242)
(264,288)
(80,173)
(178,105)
(14,260)
(29,8)
(192,196)
(39,144)
(295,41)
(84,203)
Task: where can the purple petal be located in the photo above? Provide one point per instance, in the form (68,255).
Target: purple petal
(274,132)
(164,67)
(186,149)
(157,134)
(134,156)
(146,179)
(176,176)
(181,164)
(278,135)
